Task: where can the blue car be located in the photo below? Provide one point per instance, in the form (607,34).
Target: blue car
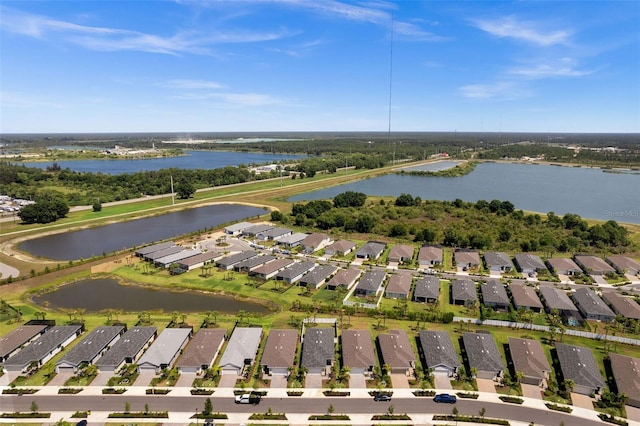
(445,397)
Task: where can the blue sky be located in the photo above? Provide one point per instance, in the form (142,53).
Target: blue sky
(298,65)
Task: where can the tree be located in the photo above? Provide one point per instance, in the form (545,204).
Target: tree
(127,407)
(331,409)
(34,407)
(97,206)
(185,189)
(45,211)
(208,407)
(350,199)
(365,224)
(482,412)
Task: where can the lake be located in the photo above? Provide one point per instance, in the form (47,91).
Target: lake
(90,242)
(437,166)
(589,192)
(192,160)
(95,295)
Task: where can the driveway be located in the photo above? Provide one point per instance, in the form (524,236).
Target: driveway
(486,385)
(357,381)
(599,279)
(633,413)
(60,379)
(185,380)
(442,381)
(582,401)
(228,380)
(144,378)
(531,391)
(102,379)
(399,381)
(313,381)
(278,381)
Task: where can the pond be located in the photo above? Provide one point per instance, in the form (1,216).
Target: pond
(589,192)
(437,166)
(87,243)
(95,295)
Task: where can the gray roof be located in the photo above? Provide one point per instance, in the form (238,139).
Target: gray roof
(396,349)
(164,252)
(340,246)
(525,296)
(257,229)
(578,364)
(296,269)
(466,256)
(253,262)
(43,345)
(528,358)
(275,232)
(563,264)
(497,258)
(318,347)
(529,261)
(482,352)
(127,346)
(622,305)
(399,284)
(427,287)
(590,303)
(557,299)
(371,249)
(91,346)
(164,349)
(18,337)
(280,348)
(150,249)
(177,257)
(357,349)
(463,290)
(272,266)
(298,237)
(237,227)
(401,251)
(371,280)
(199,258)
(626,372)
(203,348)
(624,263)
(318,274)
(438,349)
(593,264)
(242,347)
(236,258)
(494,292)
(430,253)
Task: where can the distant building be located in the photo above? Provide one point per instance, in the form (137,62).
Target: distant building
(315,242)
(345,278)
(622,305)
(318,276)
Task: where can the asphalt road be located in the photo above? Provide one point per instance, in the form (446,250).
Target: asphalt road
(112,403)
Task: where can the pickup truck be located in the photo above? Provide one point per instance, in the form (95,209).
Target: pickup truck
(248,398)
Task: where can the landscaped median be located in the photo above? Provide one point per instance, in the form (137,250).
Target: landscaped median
(470,419)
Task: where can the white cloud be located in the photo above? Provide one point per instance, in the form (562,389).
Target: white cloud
(563,68)
(251,99)
(192,84)
(532,32)
(22,100)
(501,90)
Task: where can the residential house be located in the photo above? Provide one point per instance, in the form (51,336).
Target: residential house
(564,266)
(152,257)
(427,289)
(463,292)
(254,230)
(466,259)
(439,354)
(396,352)
(271,269)
(399,286)
(370,283)
(202,351)
(252,263)
(144,251)
(241,350)
(529,264)
(318,350)
(294,272)
(622,305)
(128,349)
(525,297)
(624,265)
(339,248)
(92,347)
(293,240)
(279,351)
(274,234)
(498,262)
(591,306)
(42,349)
(237,228)
(401,253)
(11,343)
(317,276)
(578,364)
(528,358)
(344,278)
(164,351)
(626,373)
(166,261)
(429,256)
(593,265)
(194,262)
(494,295)
(228,262)
(556,299)
(315,242)
(371,250)
(483,355)
(357,351)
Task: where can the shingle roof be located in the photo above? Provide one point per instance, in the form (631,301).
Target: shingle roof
(127,346)
(463,290)
(578,364)
(155,247)
(296,269)
(280,348)
(563,264)
(198,258)
(340,246)
(243,345)
(396,349)
(165,347)
(528,357)
(18,337)
(371,280)
(467,256)
(236,258)
(623,263)
(314,240)
(557,299)
(253,262)
(371,249)
(357,349)
(593,264)
(298,237)
(626,372)
(401,251)
(318,274)
(237,227)
(525,296)
(590,303)
(275,232)
(427,287)
(344,277)
(163,253)
(318,347)
(256,229)
(482,352)
(43,345)
(438,349)
(529,261)
(94,343)
(399,284)
(430,253)
(622,305)
(272,266)
(203,348)
(494,292)
(496,258)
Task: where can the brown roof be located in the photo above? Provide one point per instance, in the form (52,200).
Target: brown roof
(18,337)
(357,349)
(624,263)
(593,263)
(203,348)
(429,253)
(401,251)
(341,246)
(467,256)
(280,348)
(314,240)
(273,266)
(396,349)
(563,264)
(399,283)
(344,277)
(528,358)
(626,372)
(525,296)
(622,305)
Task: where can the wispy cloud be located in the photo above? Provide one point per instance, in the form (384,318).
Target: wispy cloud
(22,100)
(504,90)
(529,31)
(563,68)
(203,89)
(192,84)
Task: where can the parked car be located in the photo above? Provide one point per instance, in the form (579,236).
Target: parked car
(382,397)
(248,398)
(445,397)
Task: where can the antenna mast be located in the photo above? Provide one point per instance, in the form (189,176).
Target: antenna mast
(390,87)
